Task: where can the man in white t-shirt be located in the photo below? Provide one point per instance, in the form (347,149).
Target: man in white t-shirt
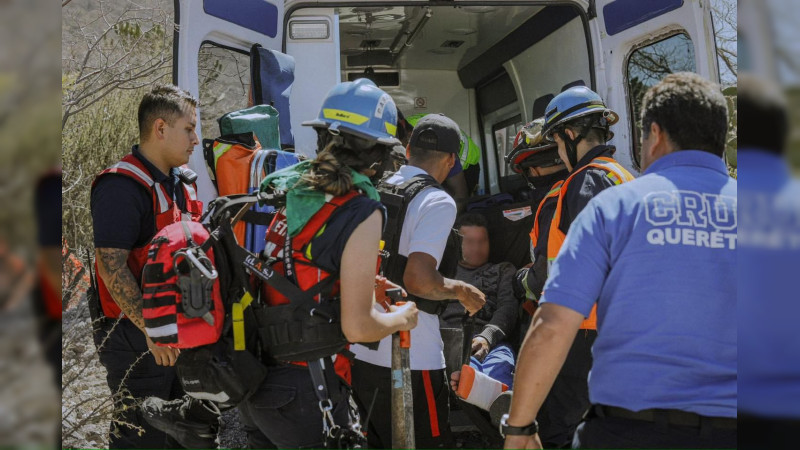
(429,218)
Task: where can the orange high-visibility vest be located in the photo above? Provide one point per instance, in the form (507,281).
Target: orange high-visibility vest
(553,194)
(616,173)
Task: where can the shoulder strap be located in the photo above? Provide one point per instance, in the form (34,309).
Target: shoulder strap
(613,169)
(408,190)
(131,167)
(319,219)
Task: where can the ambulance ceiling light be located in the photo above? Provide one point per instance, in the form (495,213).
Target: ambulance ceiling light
(309,29)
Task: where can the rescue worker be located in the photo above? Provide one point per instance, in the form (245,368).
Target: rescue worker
(428,221)
(768,343)
(463,177)
(538,161)
(48,291)
(578,121)
(333,207)
(657,256)
(130,201)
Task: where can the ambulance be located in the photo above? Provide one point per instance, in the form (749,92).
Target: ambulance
(490,65)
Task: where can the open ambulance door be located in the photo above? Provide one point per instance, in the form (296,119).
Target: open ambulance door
(235,25)
(636,44)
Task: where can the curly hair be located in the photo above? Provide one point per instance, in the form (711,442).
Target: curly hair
(692,111)
(328,174)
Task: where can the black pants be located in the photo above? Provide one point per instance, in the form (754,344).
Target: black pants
(49,335)
(284,411)
(616,432)
(431,405)
(131,380)
(762,432)
(568,400)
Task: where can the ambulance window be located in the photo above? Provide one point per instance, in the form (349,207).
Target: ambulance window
(647,66)
(224,78)
(504,134)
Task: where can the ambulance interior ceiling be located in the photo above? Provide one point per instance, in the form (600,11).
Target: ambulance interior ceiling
(451,37)
(458,47)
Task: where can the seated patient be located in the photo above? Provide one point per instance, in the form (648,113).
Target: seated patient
(492,358)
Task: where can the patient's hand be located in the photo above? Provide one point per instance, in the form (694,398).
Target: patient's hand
(480,347)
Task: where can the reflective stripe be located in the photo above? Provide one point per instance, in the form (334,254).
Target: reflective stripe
(162,198)
(220,150)
(344,116)
(122,165)
(191,194)
(391,129)
(164,330)
(433,415)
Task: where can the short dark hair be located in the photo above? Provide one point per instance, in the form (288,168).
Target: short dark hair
(690,109)
(472,220)
(421,155)
(164,101)
(764,122)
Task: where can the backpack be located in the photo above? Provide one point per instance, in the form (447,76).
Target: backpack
(396,198)
(182,301)
(192,283)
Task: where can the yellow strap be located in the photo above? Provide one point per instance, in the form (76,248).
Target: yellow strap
(237,313)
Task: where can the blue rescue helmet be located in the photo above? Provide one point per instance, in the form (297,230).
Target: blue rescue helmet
(361,109)
(574,103)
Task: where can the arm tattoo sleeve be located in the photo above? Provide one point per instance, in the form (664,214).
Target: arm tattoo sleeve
(121,283)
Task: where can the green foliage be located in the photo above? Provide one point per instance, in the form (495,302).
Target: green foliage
(100,94)
(94,139)
(731,143)
(32,135)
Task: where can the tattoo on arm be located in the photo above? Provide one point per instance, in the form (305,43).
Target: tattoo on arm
(113,267)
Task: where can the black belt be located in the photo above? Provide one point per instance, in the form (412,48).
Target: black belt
(669,416)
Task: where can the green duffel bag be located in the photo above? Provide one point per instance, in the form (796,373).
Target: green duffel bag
(260,119)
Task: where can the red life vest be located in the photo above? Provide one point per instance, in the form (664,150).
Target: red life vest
(307,273)
(52,300)
(165,210)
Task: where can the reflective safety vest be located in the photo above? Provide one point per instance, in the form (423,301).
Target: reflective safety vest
(550,197)
(165,210)
(617,174)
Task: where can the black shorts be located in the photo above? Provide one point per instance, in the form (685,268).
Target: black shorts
(431,405)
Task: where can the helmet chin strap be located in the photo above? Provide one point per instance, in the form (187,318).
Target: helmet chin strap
(544,181)
(572,144)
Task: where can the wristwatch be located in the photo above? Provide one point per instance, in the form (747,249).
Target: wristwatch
(508,430)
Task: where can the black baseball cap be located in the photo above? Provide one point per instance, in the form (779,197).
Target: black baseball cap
(436,132)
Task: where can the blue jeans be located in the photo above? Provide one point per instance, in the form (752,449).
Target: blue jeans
(498,364)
